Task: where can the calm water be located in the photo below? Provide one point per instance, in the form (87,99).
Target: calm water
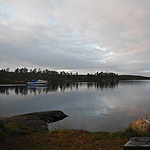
(90,106)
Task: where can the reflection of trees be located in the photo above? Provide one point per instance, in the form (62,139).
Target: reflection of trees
(129,82)
(103,85)
(21,90)
(4,90)
(54,87)
(16,89)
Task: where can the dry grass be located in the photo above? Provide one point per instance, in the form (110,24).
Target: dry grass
(19,137)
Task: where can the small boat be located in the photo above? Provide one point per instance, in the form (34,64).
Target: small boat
(38,83)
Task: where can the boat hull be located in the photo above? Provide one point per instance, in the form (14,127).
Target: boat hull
(38,83)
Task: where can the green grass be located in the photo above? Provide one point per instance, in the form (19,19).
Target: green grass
(20,137)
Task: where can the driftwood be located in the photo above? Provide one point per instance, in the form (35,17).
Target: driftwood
(38,120)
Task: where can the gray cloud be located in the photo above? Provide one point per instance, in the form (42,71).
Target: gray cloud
(106,35)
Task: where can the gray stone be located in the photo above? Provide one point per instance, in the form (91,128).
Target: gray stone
(138,143)
(38,120)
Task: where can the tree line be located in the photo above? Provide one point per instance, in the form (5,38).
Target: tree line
(24,74)
(133,77)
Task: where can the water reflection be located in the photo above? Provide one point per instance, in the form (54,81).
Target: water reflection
(90,106)
(55,87)
(135,82)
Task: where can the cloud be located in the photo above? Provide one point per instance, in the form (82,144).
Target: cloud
(110,35)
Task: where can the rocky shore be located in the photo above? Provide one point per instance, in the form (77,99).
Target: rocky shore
(38,120)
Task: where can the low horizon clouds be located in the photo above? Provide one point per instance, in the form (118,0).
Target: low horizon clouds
(76,36)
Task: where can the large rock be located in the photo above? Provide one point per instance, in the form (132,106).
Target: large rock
(141,125)
(38,120)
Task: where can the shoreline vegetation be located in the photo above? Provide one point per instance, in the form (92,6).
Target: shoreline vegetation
(15,135)
(23,75)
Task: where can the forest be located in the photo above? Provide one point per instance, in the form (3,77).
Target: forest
(24,75)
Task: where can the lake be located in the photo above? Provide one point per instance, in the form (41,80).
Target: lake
(90,106)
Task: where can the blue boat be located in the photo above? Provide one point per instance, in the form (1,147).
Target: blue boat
(38,83)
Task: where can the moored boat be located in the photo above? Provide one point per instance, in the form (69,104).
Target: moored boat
(38,83)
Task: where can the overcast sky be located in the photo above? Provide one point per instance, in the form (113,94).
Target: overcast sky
(76,35)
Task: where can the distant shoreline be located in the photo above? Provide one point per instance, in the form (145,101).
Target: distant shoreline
(103,81)
(24,75)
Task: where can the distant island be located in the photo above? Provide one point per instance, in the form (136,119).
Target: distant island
(23,75)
